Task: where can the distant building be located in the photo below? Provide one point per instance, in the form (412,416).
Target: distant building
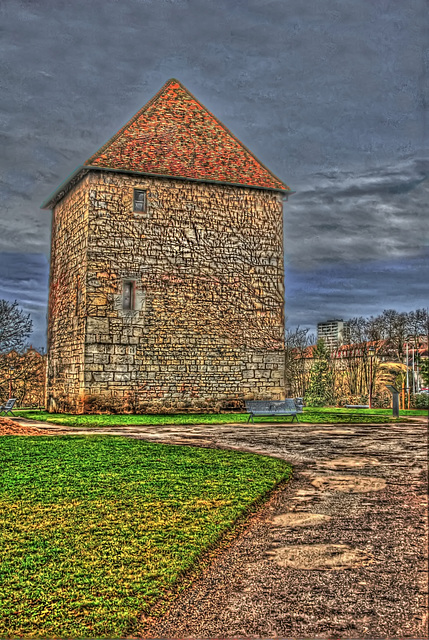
(334,333)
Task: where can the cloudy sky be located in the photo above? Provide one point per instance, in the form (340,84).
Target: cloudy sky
(332,96)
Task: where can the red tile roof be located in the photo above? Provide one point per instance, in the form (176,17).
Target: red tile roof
(175,135)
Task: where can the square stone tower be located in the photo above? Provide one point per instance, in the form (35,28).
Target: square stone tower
(166,284)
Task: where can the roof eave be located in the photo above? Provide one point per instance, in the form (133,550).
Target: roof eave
(53,199)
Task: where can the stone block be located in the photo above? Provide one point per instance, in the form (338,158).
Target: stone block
(97,325)
(116,367)
(273,357)
(120,349)
(104,376)
(92,349)
(109,348)
(95,367)
(278,393)
(100,358)
(122,359)
(254,366)
(122,377)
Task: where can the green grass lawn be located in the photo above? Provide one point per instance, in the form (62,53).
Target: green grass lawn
(312,415)
(94,530)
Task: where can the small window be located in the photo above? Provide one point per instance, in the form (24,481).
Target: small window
(78,296)
(139,200)
(128,296)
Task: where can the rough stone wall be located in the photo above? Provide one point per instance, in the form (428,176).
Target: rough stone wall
(208,324)
(66,316)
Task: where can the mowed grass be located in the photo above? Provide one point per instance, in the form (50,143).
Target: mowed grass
(94,530)
(311,415)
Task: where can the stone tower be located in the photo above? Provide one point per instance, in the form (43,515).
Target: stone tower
(166,282)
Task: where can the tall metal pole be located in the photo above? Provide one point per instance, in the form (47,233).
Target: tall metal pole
(371,351)
(417,373)
(414,375)
(370,381)
(408,383)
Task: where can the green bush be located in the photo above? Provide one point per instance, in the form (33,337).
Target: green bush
(341,402)
(420,401)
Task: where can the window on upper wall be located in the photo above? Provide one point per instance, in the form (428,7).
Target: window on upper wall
(128,297)
(140,200)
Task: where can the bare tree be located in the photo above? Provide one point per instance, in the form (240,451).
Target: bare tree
(15,327)
(23,376)
(297,370)
(388,334)
(418,321)
(395,330)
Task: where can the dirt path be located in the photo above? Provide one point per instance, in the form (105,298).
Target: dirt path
(340,552)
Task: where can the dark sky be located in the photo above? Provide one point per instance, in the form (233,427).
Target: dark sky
(332,96)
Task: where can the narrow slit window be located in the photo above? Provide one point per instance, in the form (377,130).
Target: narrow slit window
(78,297)
(139,200)
(129,295)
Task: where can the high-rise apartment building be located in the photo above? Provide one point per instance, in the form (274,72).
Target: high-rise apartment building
(333,332)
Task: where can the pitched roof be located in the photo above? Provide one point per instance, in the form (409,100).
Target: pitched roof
(175,135)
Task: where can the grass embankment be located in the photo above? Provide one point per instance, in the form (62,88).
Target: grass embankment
(311,415)
(94,530)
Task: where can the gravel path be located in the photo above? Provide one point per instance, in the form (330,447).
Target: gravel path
(340,552)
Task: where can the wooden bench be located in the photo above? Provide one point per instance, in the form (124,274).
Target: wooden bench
(357,406)
(273,408)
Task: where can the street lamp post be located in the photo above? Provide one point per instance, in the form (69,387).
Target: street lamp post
(11,369)
(371,351)
(408,382)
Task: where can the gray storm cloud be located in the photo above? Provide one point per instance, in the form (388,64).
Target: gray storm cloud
(330,95)
(351,218)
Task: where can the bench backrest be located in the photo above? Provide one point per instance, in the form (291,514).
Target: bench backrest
(9,404)
(273,406)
